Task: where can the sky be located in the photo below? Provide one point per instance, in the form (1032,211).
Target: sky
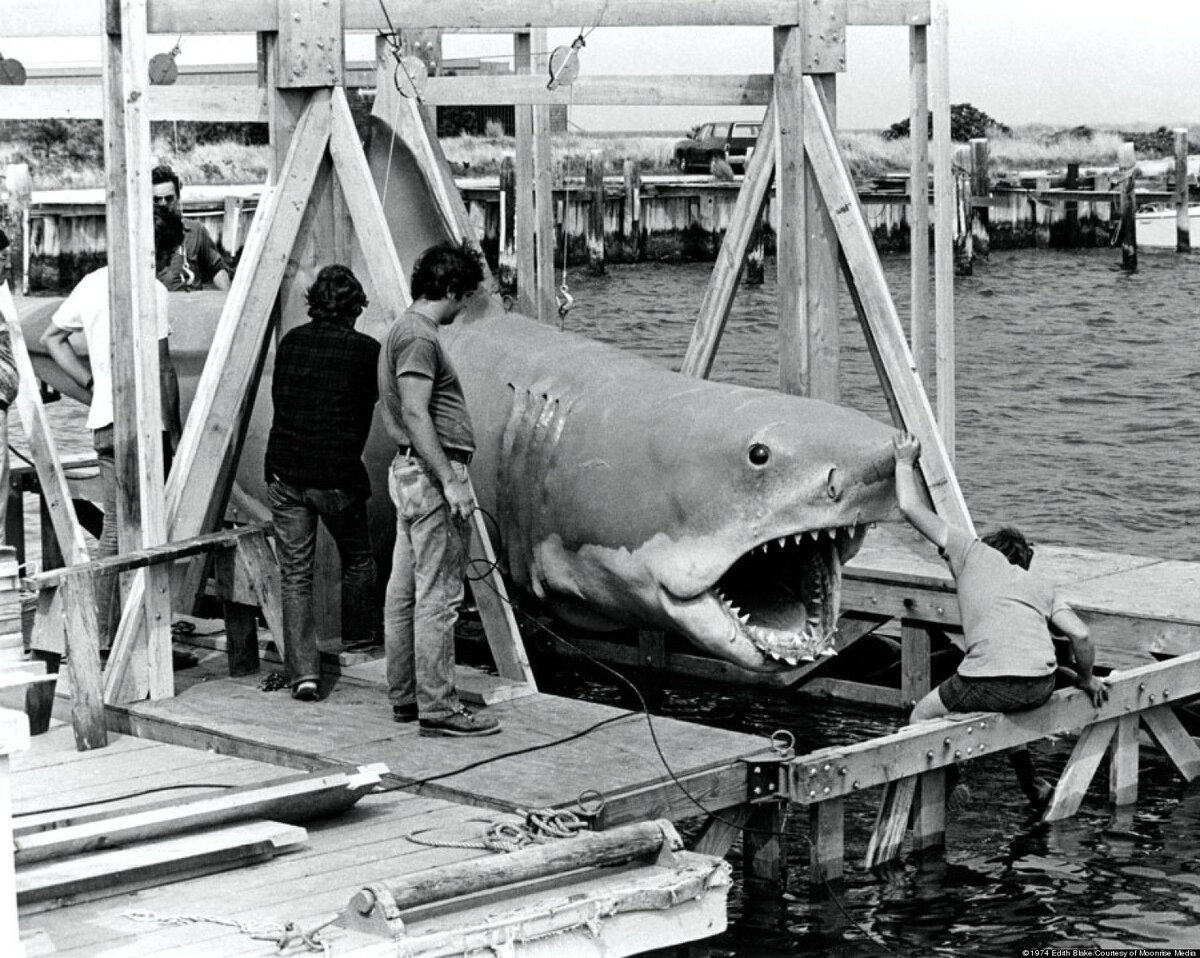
(1055,62)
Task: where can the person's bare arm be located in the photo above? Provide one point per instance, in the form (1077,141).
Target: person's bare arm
(415,393)
(58,344)
(1066,623)
(168,383)
(221,280)
(907,449)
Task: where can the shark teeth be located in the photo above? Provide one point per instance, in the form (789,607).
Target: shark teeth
(834,533)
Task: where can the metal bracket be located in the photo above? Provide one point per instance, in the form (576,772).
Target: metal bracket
(763,775)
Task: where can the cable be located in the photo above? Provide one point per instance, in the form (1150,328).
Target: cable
(121,798)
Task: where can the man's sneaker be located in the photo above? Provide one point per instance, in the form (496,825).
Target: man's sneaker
(305,691)
(404,713)
(460,724)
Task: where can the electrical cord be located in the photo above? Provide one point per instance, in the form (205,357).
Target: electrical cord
(121,798)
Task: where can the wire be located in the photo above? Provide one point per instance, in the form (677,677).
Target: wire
(121,798)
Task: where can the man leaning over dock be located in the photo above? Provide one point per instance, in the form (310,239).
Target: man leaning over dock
(1008,614)
(426,415)
(323,390)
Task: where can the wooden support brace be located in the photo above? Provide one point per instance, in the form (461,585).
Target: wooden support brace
(1079,771)
(891,821)
(723,281)
(1123,763)
(1174,739)
(881,322)
(366,212)
(233,361)
(914,661)
(722,831)
(83,664)
(241,634)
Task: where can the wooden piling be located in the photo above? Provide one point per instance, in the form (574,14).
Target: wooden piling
(1127,161)
(1071,209)
(981,190)
(595,218)
(921,325)
(764,864)
(631,213)
(1042,212)
(525,223)
(507,262)
(943,186)
(1183,223)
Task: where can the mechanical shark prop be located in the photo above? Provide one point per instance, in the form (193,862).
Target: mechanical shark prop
(624,494)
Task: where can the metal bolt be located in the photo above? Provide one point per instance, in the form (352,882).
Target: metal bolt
(1141,686)
(929,755)
(843,770)
(296,18)
(854,785)
(957,753)
(757,790)
(813,793)
(826,768)
(1151,696)
(970,731)
(812,771)
(939,610)
(826,789)
(1166,692)
(757,770)
(946,743)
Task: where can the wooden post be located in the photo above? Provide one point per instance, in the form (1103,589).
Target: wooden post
(526,224)
(595,217)
(1123,762)
(981,189)
(921,323)
(914,662)
(231,227)
(1127,160)
(791,247)
(821,271)
(1042,214)
(929,813)
(631,213)
(137,410)
(241,634)
(756,255)
(507,246)
(764,863)
(943,189)
(1183,221)
(83,664)
(964,245)
(1071,239)
(826,833)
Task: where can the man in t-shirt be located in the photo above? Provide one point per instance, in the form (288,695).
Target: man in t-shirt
(1007,613)
(426,415)
(323,391)
(87,310)
(195,260)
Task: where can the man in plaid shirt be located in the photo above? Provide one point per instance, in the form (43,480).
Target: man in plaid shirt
(324,393)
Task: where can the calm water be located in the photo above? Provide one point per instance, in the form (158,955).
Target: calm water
(1079,420)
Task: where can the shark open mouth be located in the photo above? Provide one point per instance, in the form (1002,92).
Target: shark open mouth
(783,595)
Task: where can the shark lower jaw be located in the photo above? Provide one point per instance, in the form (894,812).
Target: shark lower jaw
(777,605)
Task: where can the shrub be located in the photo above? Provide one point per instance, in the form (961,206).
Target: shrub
(966,123)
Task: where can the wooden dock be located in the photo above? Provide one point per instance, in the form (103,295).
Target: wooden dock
(307,883)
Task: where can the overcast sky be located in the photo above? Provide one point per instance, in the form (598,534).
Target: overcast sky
(1059,62)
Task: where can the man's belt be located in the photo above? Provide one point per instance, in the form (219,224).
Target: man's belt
(455,455)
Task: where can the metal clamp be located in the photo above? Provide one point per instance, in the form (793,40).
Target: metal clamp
(763,775)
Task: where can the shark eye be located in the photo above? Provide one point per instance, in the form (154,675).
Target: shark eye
(759,454)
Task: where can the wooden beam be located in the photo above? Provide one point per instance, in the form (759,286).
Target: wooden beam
(83,663)
(1079,771)
(526,225)
(233,360)
(921,327)
(134,322)
(945,215)
(791,241)
(543,200)
(55,491)
(881,322)
(366,211)
(726,272)
(310,45)
(935,744)
(752,89)
(196,103)
(722,831)
(128,561)
(891,821)
(914,661)
(929,816)
(294,799)
(826,839)
(83,17)
(1173,738)
(1123,763)
(823,333)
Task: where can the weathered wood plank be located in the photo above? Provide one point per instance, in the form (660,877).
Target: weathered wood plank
(1123,764)
(194,103)
(826,833)
(929,817)
(631,90)
(944,217)
(1173,738)
(722,831)
(891,821)
(83,664)
(791,244)
(921,327)
(823,333)
(526,225)
(881,322)
(1079,771)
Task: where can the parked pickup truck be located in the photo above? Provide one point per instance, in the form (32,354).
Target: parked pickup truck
(728,140)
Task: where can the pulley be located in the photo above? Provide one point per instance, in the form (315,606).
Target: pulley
(564,64)
(410,76)
(12,72)
(164,71)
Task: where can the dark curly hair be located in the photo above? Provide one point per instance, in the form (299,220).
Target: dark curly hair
(447,270)
(164,174)
(1011,544)
(336,296)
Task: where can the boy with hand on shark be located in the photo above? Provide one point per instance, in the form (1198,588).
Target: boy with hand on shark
(1008,614)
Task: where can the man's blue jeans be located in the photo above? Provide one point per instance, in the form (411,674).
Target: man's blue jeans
(424,592)
(296,512)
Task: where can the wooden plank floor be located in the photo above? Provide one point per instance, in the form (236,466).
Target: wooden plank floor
(368,843)
(352,725)
(1137,607)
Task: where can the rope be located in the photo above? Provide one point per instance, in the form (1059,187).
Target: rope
(283,934)
(541,826)
(564,298)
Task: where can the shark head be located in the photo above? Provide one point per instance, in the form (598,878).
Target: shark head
(627,494)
